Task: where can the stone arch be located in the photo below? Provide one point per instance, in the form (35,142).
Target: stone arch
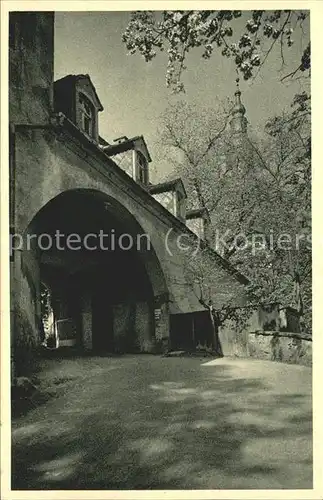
(141,285)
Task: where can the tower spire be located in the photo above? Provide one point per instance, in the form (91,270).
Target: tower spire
(238,121)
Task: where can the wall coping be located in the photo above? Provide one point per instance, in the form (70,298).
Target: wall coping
(256,305)
(275,333)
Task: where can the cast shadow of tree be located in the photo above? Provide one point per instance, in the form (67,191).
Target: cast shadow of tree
(174,435)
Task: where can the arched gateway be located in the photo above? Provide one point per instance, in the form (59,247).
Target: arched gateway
(101,270)
(107,244)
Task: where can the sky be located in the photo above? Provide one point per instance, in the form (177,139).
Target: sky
(134,93)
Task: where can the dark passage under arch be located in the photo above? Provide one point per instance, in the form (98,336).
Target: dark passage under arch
(102,273)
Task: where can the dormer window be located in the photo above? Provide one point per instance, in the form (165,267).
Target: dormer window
(76,97)
(172,196)
(87,114)
(132,156)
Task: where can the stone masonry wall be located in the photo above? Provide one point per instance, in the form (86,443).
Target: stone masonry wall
(280,346)
(250,335)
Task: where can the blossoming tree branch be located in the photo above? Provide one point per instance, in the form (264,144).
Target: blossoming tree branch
(247,41)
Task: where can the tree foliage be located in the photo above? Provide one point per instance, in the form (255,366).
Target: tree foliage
(256,191)
(247,41)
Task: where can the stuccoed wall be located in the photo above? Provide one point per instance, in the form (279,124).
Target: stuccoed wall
(31,55)
(45,163)
(233,333)
(48,164)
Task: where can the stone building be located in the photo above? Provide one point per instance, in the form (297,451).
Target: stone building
(86,223)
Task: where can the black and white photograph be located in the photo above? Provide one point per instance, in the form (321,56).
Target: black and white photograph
(159,257)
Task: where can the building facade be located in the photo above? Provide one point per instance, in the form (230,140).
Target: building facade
(86,223)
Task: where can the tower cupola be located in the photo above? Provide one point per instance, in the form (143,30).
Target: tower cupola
(238,121)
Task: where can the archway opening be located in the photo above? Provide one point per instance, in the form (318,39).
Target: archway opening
(99,277)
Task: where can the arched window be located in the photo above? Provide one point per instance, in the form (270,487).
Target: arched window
(141,170)
(87,114)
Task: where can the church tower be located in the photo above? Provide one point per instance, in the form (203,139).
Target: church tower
(238,122)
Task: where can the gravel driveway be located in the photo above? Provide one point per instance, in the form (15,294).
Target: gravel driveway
(147,422)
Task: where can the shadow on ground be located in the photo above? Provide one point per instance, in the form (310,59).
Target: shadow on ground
(154,423)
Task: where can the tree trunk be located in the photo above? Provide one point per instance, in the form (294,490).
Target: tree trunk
(216,344)
(215,330)
(298,294)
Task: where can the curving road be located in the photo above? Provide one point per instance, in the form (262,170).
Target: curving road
(146,422)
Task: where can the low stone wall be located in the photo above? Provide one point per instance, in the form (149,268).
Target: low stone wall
(281,346)
(287,347)
(266,331)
